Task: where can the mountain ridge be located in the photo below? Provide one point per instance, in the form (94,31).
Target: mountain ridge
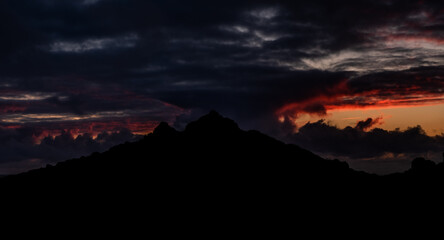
(214,151)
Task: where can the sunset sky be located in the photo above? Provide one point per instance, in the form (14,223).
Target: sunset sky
(362,81)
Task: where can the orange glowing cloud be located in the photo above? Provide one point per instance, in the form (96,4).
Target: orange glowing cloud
(94,128)
(345,97)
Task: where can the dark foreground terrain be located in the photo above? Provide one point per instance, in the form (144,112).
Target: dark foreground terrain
(211,153)
(214,170)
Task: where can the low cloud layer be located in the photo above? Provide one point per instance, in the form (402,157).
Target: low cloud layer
(23,148)
(357,145)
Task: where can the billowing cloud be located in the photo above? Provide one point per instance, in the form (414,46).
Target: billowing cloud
(30,148)
(358,146)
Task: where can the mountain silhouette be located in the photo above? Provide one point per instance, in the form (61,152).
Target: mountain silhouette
(211,150)
(213,167)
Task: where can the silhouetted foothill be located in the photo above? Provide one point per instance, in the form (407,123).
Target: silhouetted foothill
(421,164)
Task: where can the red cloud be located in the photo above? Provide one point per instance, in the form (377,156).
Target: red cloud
(317,105)
(75,128)
(398,89)
(136,126)
(12,109)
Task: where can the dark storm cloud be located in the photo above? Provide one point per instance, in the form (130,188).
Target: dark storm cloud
(112,41)
(189,31)
(422,80)
(258,89)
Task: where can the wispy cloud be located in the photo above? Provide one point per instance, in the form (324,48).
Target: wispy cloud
(94,44)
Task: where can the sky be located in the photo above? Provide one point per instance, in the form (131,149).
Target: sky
(362,81)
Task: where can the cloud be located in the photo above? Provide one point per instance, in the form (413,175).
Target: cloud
(412,87)
(265,14)
(25,96)
(368,123)
(79,109)
(21,146)
(377,150)
(90,2)
(12,108)
(358,144)
(127,41)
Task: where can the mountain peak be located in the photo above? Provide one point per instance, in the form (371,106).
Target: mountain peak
(163,129)
(212,122)
(213,114)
